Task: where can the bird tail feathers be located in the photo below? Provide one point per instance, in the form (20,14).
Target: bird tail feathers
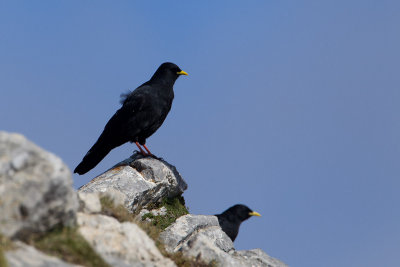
(98,151)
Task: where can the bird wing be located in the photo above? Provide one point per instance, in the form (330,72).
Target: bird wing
(134,104)
(138,100)
(230,228)
(137,93)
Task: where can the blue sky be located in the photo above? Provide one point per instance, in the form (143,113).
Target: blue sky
(290,107)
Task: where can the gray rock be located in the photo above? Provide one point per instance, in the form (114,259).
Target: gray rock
(189,226)
(35,188)
(120,244)
(141,180)
(89,202)
(142,213)
(159,212)
(27,256)
(258,258)
(201,236)
(116,196)
(156,212)
(200,246)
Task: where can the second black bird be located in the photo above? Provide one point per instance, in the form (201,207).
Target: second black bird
(231,219)
(142,113)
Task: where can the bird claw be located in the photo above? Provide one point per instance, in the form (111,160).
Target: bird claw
(155,157)
(138,153)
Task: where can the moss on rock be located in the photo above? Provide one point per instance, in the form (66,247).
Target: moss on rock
(5,244)
(119,212)
(68,245)
(175,209)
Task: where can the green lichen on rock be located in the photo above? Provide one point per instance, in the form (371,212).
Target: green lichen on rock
(5,244)
(180,260)
(3,261)
(175,209)
(68,245)
(119,212)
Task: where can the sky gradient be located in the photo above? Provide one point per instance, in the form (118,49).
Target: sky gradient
(290,107)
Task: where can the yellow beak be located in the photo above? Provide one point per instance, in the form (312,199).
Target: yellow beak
(182,72)
(254,213)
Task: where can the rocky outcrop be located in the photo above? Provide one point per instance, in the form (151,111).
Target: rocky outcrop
(141,180)
(36,195)
(36,191)
(200,236)
(120,244)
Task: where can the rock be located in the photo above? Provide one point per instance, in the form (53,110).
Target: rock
(188,226)
(156,212)
(116,196)
(141,179)
(259,257)
(201,236)
(89,202)
(120,244)
(36,195)
(36,191)
(142,213)
(200,246)
(27,256)
(159,212)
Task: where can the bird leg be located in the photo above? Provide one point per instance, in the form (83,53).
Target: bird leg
(140,148)
(148,151)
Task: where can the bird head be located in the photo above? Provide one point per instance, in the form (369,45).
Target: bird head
(242,212)
(168,71)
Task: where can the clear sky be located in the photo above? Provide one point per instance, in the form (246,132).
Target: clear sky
(290,107)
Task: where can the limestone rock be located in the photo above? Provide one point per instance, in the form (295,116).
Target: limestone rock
(27,256)
(35,188)
(201,246)
(141,179)
(188,226)
(117,197)
(258,258)
(89,202)
(156,212)
(159,212)
(120,244)
(201,236)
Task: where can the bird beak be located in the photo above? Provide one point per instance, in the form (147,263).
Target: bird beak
(182,72)
(254,213)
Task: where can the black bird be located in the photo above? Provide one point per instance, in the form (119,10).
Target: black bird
(142,113)
(231,219)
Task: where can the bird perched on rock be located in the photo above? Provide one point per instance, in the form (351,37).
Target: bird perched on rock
(142,113)
(231,219)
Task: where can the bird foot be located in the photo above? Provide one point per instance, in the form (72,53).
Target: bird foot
(145,155)
(155,157)
(138,154)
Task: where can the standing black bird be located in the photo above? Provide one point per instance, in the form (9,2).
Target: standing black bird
(142,113)
(231,219)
